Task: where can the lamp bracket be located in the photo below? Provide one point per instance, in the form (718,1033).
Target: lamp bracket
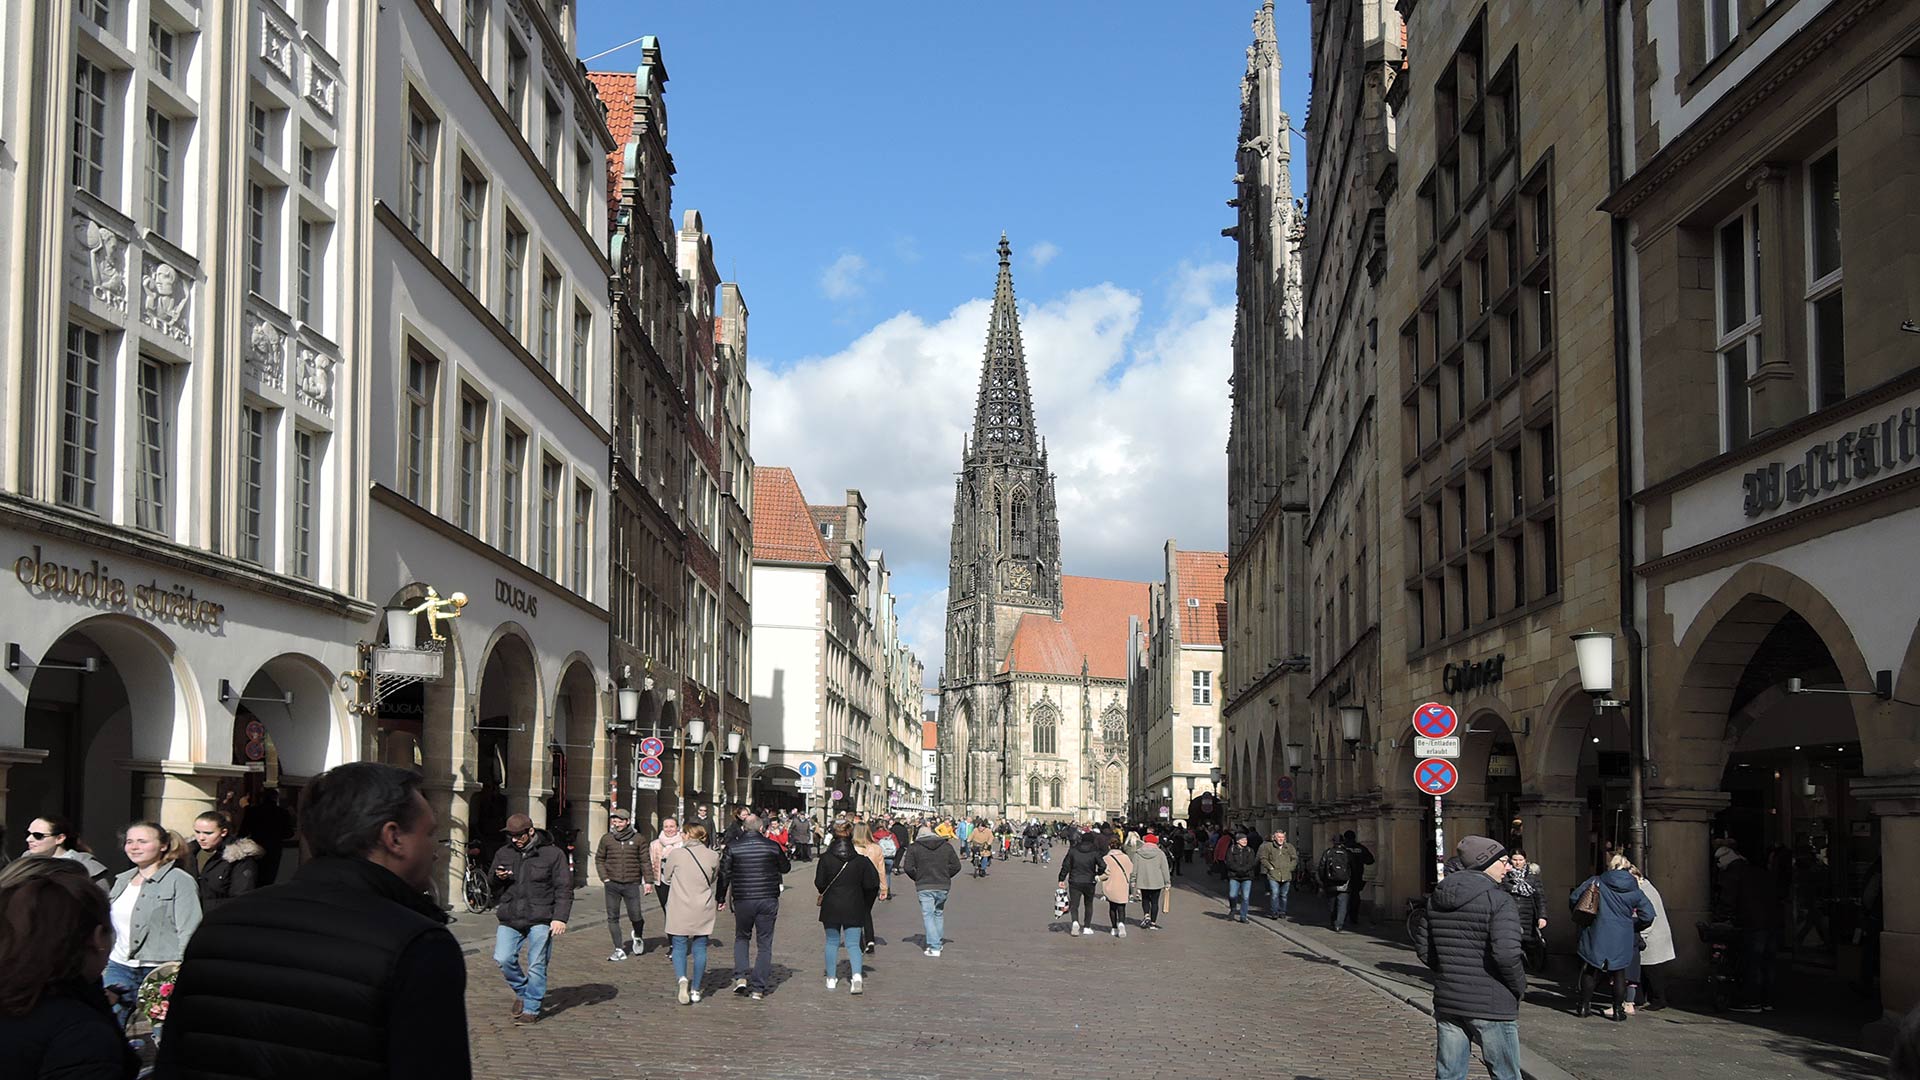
(230,696)
(17,659)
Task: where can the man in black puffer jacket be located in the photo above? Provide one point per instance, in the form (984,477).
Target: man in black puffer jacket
(1471,939)
(1080,869)
(347,970)
(750,873)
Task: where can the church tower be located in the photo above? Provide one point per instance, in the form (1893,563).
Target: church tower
(1004,561)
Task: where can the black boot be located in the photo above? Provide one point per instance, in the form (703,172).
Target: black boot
(1585,1008)
(1619,1011)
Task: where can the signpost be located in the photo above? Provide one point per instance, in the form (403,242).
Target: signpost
(808,769)
(1434,741)
(1283,795)
(647,783)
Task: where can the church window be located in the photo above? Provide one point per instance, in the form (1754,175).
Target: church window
(1020,539)
(1054,802)
(1045,726)
(1033,791)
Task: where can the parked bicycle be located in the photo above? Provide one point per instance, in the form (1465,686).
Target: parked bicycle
(474,887)
(1723,962)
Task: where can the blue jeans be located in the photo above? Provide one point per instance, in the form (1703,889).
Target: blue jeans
(933,912)
(1277,894)
(530,984)
(680,945)
(127,979)
(754,919)
(851,936)
(1238,894)
(1454,1037)
(1342,910)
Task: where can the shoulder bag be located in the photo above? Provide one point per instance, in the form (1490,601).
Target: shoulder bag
(821,900)
(1588,908)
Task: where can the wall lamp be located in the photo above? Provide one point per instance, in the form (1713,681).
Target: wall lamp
(17,659)
(1882,688)
(228,696)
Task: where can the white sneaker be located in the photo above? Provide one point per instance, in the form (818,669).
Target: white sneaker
(832,983)
(1113,931)
(687,996)
(639,947)
(1088,931)
(618,954)
(858,985)
(696,997)
(935,953)
(1075,928)
(1121,930)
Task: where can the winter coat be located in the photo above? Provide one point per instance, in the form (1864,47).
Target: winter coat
(661,847)
(1081,865)
(1242,863)
(751,868)
(1747,894)
(1278,860)
(101,876)
(344,971)
(1221,845)
(624,861)
(879,860)
(1471,939)
(1117,886)
(1150,869)
(541,888)
(1659,936)
(164,917)
(848,885)
(692,874)
(234,870)
(1607,942)
(931,862)
(70,1034)
(1528,900)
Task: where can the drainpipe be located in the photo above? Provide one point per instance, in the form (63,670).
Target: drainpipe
(1623,453)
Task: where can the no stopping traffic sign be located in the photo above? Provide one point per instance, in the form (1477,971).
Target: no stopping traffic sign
(1435,776)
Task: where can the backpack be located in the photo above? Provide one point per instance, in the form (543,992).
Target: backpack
(1335,867)
(888,847)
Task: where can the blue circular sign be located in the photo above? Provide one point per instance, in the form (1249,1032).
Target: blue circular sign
(1435,776)
(1435,721)
(649,766)
(808,768)
(652,747)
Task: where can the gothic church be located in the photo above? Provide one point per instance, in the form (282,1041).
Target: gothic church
(1033,698)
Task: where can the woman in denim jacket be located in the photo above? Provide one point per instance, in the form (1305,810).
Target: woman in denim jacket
(156,908)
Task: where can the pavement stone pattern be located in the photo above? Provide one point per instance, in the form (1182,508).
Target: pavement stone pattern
(1011,995)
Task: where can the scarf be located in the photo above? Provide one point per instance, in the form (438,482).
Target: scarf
(1522,885)
(625,835)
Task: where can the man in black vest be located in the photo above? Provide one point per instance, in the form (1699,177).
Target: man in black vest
(370,984)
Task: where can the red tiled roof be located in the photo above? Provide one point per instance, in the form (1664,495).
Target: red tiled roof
(617,90)
(783,530)
(1202,577)
(1092,628)
(835,516)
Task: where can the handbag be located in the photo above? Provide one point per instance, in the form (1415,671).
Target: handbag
(1588,908)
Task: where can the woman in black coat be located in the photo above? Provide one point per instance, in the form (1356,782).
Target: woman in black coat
(848,886)
(55,933)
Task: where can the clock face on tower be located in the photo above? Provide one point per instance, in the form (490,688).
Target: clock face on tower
(1020,577)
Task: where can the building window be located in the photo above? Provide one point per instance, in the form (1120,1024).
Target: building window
(306,465)
(160,169)
(1203,688)
(162,49)
(1737,307)
(1723,25)
(550,149)
(1549,481)
(514,269)
(253,481)
(80,418)
(99,12)
(516,79)
(473,461)
(582,536)
(422,380)
(583,183)
(259,230)
(1202,744)
(1056,793)
(315,163)
(473,205)
(550,515)
(549,315)
(473,30)
(582,342)
(153,397)
(1517,482)
(423,133)
(307,279)
(90,127)
(513,460)
(1033,792)
(257,133)
(1824,331)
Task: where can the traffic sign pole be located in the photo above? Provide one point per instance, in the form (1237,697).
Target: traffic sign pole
(1439,841)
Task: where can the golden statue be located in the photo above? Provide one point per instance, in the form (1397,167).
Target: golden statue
(436,607)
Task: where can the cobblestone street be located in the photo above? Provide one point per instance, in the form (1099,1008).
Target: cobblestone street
(1012,995)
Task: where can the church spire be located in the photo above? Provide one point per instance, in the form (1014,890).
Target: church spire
(1003,417)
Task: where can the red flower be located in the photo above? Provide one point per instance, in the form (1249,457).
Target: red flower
(166,990)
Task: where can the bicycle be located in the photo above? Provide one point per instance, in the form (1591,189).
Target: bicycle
(1416,913)
(474,886)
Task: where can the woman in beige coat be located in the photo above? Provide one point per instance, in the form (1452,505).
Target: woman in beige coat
(864,843)
(690,873)
(1116,883)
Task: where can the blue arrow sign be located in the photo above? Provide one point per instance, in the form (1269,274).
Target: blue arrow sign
(1435,721)
(1435,776)
(808,768)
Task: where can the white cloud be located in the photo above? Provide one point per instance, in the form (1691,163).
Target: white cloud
(1043,253)
(842,278)
(1135,418)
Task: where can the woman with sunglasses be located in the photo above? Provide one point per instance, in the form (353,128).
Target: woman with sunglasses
(54,837)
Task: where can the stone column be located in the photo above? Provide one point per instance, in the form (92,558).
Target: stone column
(1372,895)
(1553,841)
(1895,800)
(453,818)
(1681,864)
(1779,381)
(11,756)
(1403,853)
(173,793)
(1462,819)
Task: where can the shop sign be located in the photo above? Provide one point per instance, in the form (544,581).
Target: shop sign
(1503,765)
(95,584)
(519,600)
(1831,464)
(1473,674)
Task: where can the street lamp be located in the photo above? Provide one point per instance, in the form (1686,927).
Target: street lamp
(1593,653)
(629,703)
(733,743)
(763,752)
(696,732)
(1294,752)
(1353,724)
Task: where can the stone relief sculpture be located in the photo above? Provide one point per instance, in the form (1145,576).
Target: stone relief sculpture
(163,303)
(100,262)
(265,359)
(321,86)
(313,380)
(276,45)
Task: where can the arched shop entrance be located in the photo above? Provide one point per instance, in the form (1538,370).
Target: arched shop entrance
(778,787)
(288,725)
(506,723)
(572,743)
(111,690)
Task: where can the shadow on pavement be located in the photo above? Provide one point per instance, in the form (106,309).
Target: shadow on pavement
(561,999)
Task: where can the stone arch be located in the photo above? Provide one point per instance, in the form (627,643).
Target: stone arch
(315,732)
(574,731)
(1550,761)
(509,722)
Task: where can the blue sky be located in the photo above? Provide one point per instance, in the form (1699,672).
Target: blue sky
(856,163)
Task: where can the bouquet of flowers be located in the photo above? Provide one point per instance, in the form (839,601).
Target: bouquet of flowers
(1059,900)
(156,993)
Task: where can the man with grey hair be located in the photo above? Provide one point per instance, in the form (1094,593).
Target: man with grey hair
(348,969)
(750,871)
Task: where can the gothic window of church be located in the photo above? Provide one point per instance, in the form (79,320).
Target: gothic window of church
(1020,539)
(1045,724)
(1113,725)
(1054,801)
(1033,791)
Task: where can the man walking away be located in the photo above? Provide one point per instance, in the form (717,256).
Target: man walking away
(1080,869)
(750,871)
(1471,939)
(533,911)
(1278,857)
(1343,870)
(347,970)
(621,861)
(931,862)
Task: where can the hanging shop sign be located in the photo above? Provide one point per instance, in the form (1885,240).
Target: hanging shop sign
(1831,464)
(96,584)
(1473,674)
